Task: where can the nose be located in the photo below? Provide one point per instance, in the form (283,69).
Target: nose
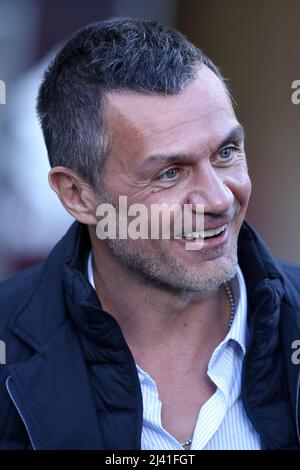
(209,188)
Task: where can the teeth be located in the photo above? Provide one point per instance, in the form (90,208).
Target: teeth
(205,233)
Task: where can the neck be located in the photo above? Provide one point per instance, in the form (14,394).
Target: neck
(190,324)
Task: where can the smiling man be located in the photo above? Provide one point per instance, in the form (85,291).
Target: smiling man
(137,342)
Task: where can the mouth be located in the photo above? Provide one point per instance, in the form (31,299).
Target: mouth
(205,239)
(205,234)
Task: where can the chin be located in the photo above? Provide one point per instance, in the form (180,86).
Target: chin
(207,276)
(217,274)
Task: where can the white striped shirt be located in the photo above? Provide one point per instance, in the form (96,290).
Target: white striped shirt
(222,422)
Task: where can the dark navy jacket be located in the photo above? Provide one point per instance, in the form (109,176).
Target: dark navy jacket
(70,381)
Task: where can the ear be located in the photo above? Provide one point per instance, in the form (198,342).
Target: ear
(75,194)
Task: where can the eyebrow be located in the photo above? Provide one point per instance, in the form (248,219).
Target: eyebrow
(237,134)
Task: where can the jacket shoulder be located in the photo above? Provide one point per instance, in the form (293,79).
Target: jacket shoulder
(291,273)
(291,270)
(16,291)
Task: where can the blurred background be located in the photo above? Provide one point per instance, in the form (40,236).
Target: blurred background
(255,43)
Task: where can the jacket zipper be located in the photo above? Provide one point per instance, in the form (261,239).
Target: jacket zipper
(9,386)
(298,409)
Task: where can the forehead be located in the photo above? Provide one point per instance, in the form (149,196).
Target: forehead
(201,112)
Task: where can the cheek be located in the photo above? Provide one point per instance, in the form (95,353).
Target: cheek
(245,190)
(240,186)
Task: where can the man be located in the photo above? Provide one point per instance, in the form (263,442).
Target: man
(143,342)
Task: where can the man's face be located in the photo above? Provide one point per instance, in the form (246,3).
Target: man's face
(186,149)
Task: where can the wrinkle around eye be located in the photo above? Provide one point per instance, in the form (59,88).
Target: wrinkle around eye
(169,179)
(236,153)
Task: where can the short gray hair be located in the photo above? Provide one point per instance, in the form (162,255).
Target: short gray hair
(117,54)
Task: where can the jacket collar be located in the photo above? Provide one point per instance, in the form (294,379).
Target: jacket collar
(263,273)
(268,374)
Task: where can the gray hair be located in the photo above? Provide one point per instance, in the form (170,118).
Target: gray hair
(117,54)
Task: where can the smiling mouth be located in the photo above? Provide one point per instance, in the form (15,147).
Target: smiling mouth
(205,234)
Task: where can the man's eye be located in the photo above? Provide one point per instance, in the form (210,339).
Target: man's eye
(170,174)
(227,153)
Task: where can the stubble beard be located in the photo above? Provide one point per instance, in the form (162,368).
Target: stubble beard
(150,263)
(154,262)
